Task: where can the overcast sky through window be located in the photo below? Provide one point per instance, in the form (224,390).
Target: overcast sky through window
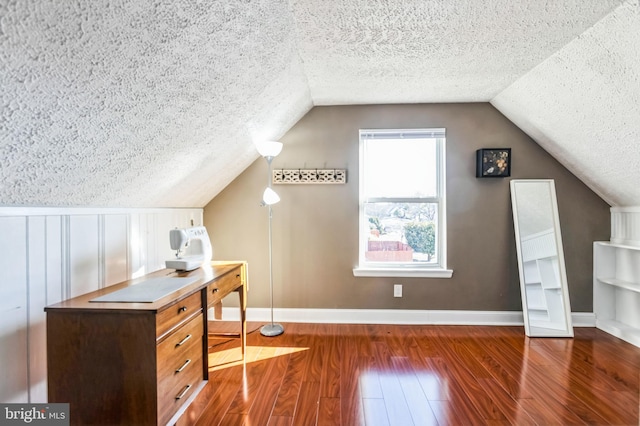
(401,168)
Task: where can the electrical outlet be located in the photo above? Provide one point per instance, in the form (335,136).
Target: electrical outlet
(397,290)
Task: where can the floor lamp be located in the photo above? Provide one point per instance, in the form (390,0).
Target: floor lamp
(269,150)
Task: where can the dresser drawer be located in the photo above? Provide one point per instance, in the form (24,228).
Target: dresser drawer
(178,342)
(223,285)
(174,315)
(171,371)
(182,376)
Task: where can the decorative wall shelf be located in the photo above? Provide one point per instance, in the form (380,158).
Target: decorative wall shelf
(310,176)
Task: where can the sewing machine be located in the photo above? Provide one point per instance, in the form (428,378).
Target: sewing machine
(192,246)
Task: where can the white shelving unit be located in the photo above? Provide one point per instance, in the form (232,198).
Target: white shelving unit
(542,281)
(616,289)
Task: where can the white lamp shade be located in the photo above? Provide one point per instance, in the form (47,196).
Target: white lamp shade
(269,148)
(270,197)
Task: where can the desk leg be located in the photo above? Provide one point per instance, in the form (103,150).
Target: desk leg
(243,318)
(217,311)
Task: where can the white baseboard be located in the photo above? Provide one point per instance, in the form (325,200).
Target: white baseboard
(583,319)
(394,316)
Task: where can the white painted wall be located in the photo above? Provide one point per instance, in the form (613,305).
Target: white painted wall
(48,255)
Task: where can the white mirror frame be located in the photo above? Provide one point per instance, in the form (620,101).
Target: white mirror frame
(541,253)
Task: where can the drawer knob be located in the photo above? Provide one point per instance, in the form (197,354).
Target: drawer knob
(183,341)
(184,392)
(215,290)
(187,362)
(182,309)
(238,276)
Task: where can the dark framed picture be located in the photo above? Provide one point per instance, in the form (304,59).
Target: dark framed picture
(493,162)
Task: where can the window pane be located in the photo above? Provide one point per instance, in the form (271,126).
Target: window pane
(400,168)
(401,232)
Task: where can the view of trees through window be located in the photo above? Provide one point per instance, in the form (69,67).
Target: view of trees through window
(401,232)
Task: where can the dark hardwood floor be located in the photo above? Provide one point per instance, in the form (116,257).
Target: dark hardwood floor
(330,374)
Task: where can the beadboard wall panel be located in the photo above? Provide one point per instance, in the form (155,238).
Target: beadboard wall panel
(37,297)
(84,256)
(13,310)
(139,254)
(49,255)
(54,259)
(116,254)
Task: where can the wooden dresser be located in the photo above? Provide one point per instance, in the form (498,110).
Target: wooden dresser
(135,363)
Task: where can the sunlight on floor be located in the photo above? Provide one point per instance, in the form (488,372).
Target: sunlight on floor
(232,357)
(424,394)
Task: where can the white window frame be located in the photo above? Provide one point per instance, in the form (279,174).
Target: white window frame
(438,270)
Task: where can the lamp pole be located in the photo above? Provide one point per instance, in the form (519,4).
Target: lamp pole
(272,329)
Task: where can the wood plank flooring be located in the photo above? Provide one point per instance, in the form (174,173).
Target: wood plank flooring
(331,374)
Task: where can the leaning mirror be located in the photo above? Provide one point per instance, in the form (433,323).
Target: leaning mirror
(543,278)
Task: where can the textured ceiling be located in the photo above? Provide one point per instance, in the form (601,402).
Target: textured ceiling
(148,103)
(140,103)
(582,105)
(363,51)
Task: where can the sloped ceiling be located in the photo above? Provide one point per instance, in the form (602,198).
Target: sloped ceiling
(582,104)
(140,103)
(149,103)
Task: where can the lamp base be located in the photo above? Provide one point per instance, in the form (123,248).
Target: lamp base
(271,330)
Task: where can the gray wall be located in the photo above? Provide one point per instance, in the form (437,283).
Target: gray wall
(315,227)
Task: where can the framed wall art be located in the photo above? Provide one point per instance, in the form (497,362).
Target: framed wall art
(493,162)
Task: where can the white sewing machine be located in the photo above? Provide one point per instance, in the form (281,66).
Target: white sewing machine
(192,246)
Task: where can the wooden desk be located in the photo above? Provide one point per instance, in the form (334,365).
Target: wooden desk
(137,363)
(242,294)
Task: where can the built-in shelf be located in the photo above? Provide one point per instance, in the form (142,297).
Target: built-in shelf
(616,289)
(620,283)
(616,245)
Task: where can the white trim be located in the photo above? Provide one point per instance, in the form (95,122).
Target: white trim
(428,133)
(625,225)
(617,245)
(102,260)
(394,316)
(368,269)
(628,209)
(583,319)
(403,272)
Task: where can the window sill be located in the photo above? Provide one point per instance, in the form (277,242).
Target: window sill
(403,272)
